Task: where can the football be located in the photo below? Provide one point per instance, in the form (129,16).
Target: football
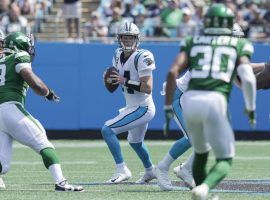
(108,80)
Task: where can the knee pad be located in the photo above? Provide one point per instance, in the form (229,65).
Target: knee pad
(131,139)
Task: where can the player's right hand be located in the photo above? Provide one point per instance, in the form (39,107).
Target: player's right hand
(52,96)
(168,116)
(251,118)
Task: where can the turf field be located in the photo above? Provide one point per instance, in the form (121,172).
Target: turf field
(90,164)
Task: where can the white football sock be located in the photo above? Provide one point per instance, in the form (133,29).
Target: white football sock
(120,165)
(166,162)
(56,172)
(149,169)
(188,163)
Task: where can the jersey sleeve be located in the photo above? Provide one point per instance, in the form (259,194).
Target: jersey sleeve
(186,44)
(245,48)
(115,59)
(146,63)
(22,60)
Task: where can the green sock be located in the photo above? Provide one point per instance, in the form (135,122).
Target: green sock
(218,172)
(49,157)
(199,169)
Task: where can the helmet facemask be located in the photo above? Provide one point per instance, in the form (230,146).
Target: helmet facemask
(2,37)
(128,43)
(31,48)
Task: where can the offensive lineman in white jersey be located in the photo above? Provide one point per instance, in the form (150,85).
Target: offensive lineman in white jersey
(184,170)
(135,68)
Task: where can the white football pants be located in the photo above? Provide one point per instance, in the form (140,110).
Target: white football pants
(205,114)
(134,120)
(17,124)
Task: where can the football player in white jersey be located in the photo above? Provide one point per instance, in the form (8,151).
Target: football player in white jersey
(135,68)
(184,170)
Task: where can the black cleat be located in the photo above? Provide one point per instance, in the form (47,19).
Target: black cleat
(64,186)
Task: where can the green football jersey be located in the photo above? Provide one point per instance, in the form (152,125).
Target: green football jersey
(12,85)
(212,61)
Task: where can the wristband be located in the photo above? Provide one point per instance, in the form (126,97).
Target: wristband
(135,85)
(48,92)
(167,107)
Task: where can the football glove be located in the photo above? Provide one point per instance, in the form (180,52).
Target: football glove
(168,116)
(52,96)
(251,118)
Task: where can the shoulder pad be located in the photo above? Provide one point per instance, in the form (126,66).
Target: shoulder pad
(21,53)
(22,57)
(246,46)
(139,53)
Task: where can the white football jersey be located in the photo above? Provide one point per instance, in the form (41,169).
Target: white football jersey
(139,64)
(182,82)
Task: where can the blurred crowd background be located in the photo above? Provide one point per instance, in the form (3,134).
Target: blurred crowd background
(85,20)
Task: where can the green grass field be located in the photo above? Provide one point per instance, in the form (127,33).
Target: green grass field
(90,164)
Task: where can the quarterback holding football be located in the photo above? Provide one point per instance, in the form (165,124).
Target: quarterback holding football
(134,74)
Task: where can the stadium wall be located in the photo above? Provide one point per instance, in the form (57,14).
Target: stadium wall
(75,71)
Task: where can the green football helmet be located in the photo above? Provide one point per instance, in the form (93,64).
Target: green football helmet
(218,20)
(18,41)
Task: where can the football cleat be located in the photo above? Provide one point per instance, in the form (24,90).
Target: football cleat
(147,177)
(186,175)
(163,179)
(120,175)
(64,186)
(200,192)
(2,184)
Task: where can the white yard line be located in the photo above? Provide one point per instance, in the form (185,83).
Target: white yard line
(100,143)
(63,163)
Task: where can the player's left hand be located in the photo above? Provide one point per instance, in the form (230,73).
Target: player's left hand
(168,116)
(117,79)
(52,96)
(251,118)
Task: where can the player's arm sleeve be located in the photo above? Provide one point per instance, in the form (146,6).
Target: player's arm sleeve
(246,48)
(23,60)
(248,82)
(146,64)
